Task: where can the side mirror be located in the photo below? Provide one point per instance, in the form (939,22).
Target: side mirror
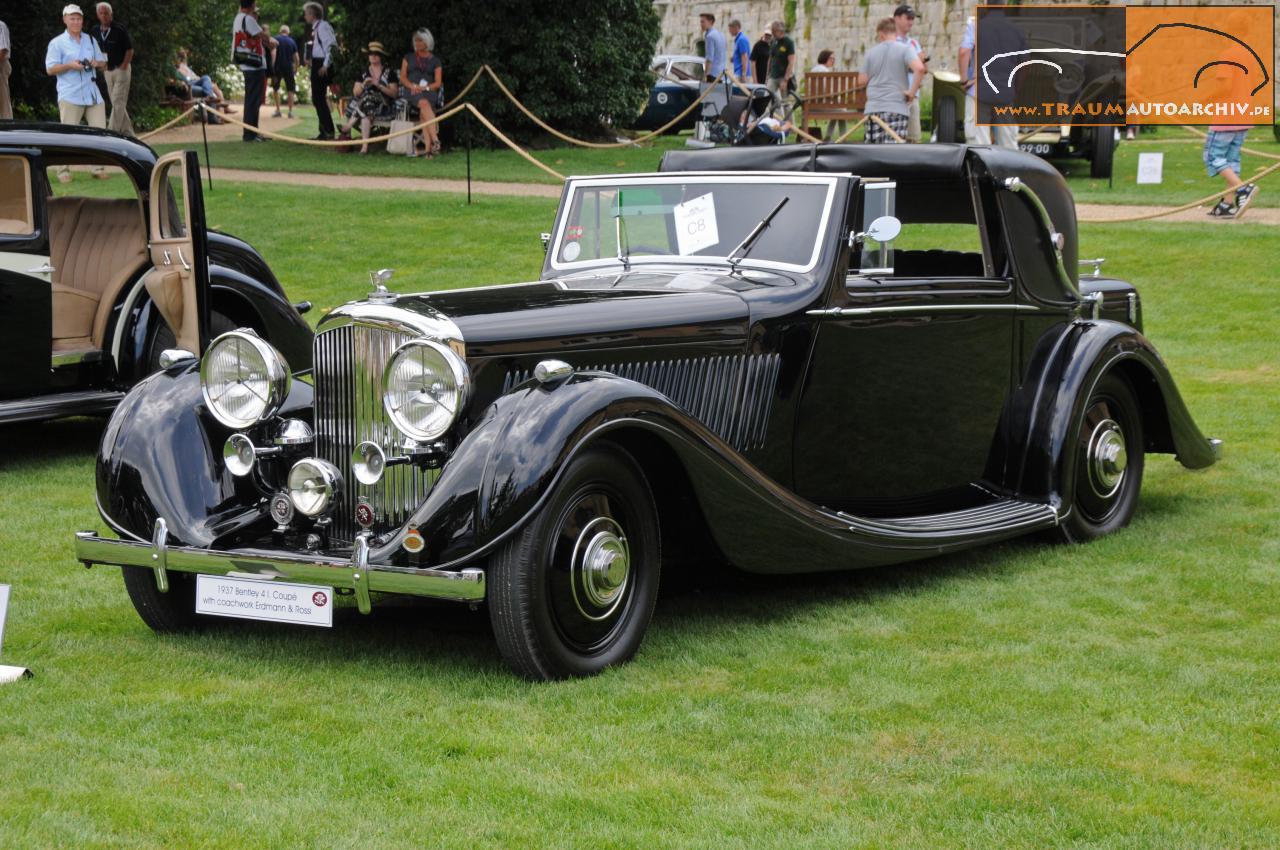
(884,229)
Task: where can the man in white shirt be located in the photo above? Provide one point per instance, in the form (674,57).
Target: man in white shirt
(322,43)
(6,108)
(75,59)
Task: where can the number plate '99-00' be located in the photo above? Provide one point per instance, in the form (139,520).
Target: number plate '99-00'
(275,601)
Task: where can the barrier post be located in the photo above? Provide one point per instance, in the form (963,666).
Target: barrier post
(468,131)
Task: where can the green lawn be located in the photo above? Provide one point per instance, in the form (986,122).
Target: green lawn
(1184,176)
(1117,695)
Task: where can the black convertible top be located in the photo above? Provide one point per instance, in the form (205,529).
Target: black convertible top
(939,173)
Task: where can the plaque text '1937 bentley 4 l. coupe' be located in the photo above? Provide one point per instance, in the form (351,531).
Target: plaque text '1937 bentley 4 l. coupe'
(800,359)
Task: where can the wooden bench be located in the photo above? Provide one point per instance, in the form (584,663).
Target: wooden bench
(832,96)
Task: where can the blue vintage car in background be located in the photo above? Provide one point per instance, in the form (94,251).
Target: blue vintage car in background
(675,87)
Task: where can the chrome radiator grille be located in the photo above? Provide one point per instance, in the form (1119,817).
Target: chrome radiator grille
(348,366)
(731,395)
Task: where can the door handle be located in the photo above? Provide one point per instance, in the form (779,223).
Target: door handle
(185,265)
(45,269)
(168,261)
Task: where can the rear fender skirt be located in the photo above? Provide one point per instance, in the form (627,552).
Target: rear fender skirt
(161,456)
(1068,363)
(499,476)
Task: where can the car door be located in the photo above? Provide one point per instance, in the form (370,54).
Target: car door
(26,318)
(179,282)
(908,377)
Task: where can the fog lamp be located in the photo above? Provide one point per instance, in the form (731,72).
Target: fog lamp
(239,455)
(313,486)
(368,462)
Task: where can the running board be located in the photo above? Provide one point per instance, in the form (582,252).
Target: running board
(83,403)
(1000,518)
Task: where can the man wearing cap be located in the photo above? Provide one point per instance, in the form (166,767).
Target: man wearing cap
(114,40)
(249,45)
(75,58)
(904,17)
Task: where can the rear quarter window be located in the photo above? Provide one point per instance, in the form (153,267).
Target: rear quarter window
(17,216)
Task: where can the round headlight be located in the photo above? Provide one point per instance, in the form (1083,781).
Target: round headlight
(243,379)
(426,385)
(313,485)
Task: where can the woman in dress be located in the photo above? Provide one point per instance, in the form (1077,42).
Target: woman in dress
(373,97)
(422,85)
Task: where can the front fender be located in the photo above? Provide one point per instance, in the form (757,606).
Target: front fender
(1067,364)
(161,456)
(253,302)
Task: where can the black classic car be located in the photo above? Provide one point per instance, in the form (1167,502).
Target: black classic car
(796,359)
(96,284)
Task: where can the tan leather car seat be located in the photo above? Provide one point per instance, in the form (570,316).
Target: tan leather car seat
(95,246)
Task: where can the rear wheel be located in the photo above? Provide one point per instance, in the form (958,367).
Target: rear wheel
(944,120)
(1109,459)
(573,592)
(163,338)
(163,612)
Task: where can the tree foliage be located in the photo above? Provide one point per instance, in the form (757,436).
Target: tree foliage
(582,68)
(158,28)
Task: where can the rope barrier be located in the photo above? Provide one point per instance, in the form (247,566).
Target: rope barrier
(169,124)
(847,133)
(524,153)
(1161,214)
(475,78)
(317,143)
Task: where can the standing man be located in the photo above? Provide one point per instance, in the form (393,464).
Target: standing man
(1002,37)
(114,41)
(889,95)
(6,107)
(715,52)
(741,52)
(904,17)
(322,43)
(284,68)
(249,45)
(782,63)
(74,58)
(760,57)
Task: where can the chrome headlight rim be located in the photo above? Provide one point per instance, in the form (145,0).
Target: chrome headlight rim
(279,378)
(461,377)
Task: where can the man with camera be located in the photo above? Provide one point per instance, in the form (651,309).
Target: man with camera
(75,59)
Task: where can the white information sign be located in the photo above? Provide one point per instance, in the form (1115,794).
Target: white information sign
(695,222)
(254,599)
(4,606)
(1150,167)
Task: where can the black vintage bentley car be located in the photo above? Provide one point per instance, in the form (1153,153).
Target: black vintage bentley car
(798,359)
(96,284)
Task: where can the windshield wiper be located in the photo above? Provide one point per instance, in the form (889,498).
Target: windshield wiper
(747,244)
(619,236)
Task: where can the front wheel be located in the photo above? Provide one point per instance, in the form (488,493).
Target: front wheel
(573,592)
(1108,450)
(173,611)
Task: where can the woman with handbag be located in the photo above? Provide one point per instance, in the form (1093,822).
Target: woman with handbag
(373,97)
(422,85)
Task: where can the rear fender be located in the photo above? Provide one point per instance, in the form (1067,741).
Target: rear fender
(1068,364)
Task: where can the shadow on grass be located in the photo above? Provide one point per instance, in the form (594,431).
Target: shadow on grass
(31,445)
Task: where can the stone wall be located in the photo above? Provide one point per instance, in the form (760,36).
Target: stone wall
(845,26)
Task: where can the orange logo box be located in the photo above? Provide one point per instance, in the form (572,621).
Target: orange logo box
(1200,64)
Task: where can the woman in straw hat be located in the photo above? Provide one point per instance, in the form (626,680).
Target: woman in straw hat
(373,96)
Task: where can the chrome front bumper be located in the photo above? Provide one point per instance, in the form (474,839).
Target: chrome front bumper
(355,574)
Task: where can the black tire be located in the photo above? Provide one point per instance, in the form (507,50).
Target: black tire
(1102,152)
(173,611)
(944,120)
(551,620)
(1101,503)
(163,337)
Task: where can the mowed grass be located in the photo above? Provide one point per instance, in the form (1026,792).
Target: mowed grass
(1184,175)
(1117,695)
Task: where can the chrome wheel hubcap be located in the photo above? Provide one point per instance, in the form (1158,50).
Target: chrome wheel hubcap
(600,568)
(1107,458)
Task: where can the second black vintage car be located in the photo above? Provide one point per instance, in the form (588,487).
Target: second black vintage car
(798,359)
(96,284)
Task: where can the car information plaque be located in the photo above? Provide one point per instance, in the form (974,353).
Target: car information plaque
(254,599)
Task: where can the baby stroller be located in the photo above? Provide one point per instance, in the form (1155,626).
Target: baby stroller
(731,116)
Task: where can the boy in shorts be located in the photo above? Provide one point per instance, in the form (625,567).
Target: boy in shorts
(1222,159)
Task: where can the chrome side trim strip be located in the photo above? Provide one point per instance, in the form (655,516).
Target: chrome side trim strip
(465,585)
(898,309)
(71,358)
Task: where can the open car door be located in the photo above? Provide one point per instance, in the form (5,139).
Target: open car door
(179,283)
(25,298)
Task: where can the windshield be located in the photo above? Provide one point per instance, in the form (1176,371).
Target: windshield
(696,219)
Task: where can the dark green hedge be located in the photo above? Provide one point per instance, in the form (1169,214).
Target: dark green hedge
(583,67)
